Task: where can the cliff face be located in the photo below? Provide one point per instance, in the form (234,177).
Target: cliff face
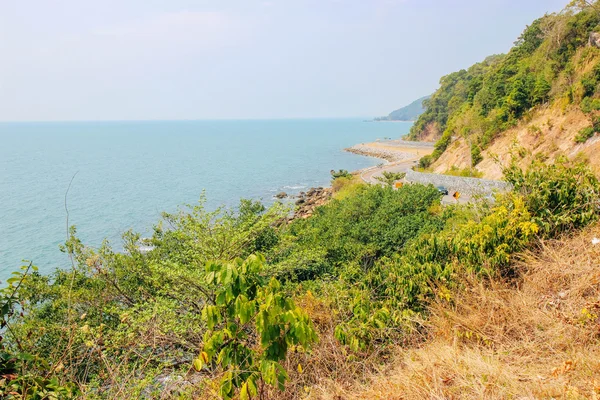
(549,135)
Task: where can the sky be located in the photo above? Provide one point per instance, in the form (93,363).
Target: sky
(241,59)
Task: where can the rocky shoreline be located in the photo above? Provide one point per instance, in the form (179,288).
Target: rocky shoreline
(308,201)
(386,154)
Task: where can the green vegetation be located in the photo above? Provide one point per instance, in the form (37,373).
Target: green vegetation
(584,134)
(550,63)
(388,178)
(465,172)
(409,113)
(218,300)
(342,173)
(250,327)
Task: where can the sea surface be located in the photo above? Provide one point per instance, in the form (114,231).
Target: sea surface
(127,173)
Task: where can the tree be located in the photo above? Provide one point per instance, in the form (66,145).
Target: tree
(389,178)
(251,326)
(584,4)
(541,90)
(342,173)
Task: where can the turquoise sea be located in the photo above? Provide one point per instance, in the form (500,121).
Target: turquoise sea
(127,173)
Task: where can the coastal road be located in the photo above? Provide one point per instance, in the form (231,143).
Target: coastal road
(409,157)
(369,175)
(400,155)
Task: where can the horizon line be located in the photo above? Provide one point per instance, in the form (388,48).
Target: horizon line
(366,118)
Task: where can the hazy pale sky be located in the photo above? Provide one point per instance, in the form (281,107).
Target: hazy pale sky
(201,59)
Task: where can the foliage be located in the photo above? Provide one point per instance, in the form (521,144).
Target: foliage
(344,187)
(547,201)
(342,173)
(135,314)
(584,134)
(465,172)
(356,230)
(588,105)
(17,379)
(455,89)
(389,178)
(560,197)
(251,326)
(476,156)
(425,161)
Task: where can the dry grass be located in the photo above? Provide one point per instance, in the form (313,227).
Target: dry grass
(328,361)
(556,138)
(533,339)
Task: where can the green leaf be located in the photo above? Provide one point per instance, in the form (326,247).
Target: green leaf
(244,392)
(252,386)
(226,389)
(198,363)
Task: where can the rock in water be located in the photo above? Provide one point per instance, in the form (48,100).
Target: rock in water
(281,195)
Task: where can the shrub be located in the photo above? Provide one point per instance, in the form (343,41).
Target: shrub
(425,161)
(251,326)
(560,197)
(476,156)
(388,178)
(342,173)
(584,134)
(465,172)
(356,231)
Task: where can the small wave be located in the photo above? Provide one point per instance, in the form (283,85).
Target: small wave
(295,187)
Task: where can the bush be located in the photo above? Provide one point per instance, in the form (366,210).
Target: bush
(560,197)
(389,178)
(118,323)
(476,156)
(357,230)
(584,134)
(251,326)
(342,173)
(588,105)
(425,161)
(465,172)
(547,201)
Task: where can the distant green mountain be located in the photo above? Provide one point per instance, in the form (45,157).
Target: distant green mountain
(409,113)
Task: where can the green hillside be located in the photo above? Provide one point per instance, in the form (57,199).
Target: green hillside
(550,62)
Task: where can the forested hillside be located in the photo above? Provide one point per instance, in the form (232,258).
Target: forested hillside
(408,113)
(553,68)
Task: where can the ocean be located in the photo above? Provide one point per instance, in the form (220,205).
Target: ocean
(127,173)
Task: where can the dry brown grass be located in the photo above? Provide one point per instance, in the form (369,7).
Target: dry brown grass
(537,338)
(556,138)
